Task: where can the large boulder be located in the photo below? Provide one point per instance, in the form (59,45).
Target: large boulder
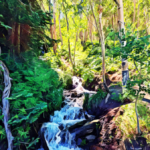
(97,106)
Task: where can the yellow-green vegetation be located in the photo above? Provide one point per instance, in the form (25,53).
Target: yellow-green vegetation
(127,122)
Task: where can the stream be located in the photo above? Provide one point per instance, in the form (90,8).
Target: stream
(56,133)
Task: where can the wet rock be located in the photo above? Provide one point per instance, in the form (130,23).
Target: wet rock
(72,98)
(77,125)
(94,147)
(138,143)
(83,131)
(79,141)
(90,138)
(97,105)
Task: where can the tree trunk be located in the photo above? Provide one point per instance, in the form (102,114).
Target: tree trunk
(81,34)
(5,102)
(69,49)
(112,21)
(85,35)
(60,30)
(12,40)
(51,26)
(18,44)
(90,28)
(54,27)
(125,72)
(138,21)
(137,117)
(95,20)
(134,10)
(103,47)
(74,62)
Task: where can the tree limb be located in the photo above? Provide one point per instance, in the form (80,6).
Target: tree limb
(117,3)
(5,102)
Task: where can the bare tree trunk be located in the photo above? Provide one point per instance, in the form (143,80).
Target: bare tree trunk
(138,21)
(137,117)
(125,72)
(60,30)
(90,29)
(146,22)
(12,40)
(148,30)
(95,20)
(5,102)
(85,35)
(51,26)
(74,62)
(134,10)
(18,50)
(54,27)
(112,21)
(103,47)
(68,37)
(81,36)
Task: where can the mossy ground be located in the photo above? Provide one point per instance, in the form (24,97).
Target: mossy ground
(127,122)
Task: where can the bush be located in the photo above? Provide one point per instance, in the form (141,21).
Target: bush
(36,90)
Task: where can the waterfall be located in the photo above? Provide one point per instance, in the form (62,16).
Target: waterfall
(56,133)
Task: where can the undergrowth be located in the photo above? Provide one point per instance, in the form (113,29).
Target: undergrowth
(36,92)
(127,122)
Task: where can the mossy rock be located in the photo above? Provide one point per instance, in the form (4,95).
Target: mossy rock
(94,100)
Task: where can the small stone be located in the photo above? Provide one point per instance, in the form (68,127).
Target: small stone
(90,138)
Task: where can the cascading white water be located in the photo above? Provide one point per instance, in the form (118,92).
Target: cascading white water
(56,132)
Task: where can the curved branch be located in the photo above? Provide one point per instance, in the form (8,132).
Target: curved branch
(5,102)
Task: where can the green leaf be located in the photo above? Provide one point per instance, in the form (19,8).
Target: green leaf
(7,27)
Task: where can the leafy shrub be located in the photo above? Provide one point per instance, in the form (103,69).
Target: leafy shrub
(36,90)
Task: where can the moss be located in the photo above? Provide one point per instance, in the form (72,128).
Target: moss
(83,143)
(127,122)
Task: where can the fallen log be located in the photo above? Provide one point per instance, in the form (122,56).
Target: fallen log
(5,102)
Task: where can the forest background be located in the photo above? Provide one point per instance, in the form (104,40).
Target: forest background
(67,33)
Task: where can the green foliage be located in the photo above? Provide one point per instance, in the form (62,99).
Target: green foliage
(23,13)
(83,143)
(127,122)
(94,99)
(36,91)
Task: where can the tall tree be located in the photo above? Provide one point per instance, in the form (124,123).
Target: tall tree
(60,34)
(103,49)
(54,27)
(90,26)
(125,72)
(91,5)
(134,10)
(51,26)
(18,37)
(69,48)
